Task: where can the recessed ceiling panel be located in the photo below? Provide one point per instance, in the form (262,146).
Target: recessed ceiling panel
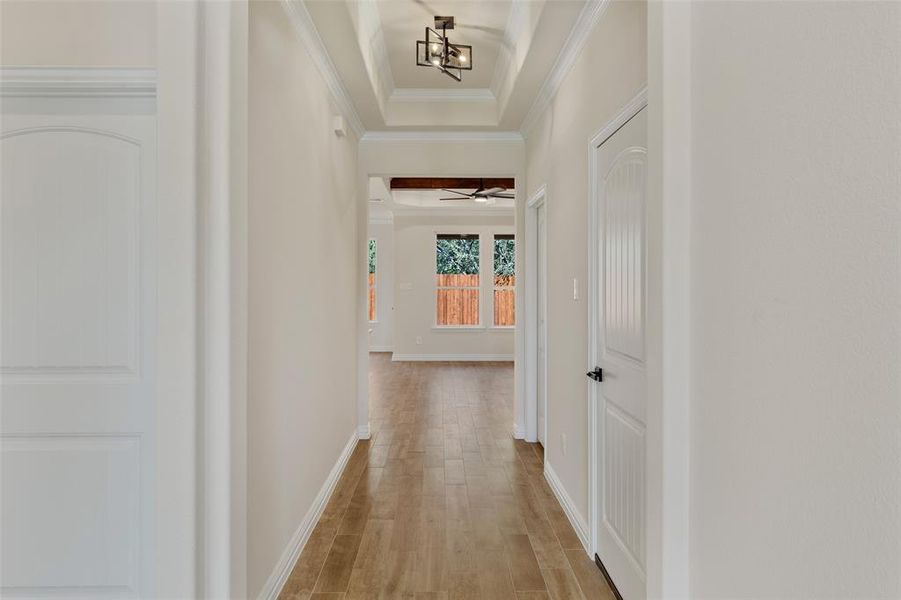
(479,24)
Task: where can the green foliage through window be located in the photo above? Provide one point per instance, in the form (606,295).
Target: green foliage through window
(504,256)
(457,255)
(372,256)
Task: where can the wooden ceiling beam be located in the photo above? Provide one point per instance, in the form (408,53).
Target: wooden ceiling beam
(451,183)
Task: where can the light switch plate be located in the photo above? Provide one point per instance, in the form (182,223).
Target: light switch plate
(575,289)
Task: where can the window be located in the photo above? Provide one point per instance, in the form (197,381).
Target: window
(504,280)
(457,279)
(372,267)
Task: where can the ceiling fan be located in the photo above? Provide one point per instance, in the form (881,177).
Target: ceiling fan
(481,194)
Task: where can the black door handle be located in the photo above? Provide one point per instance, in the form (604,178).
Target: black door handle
(597,374)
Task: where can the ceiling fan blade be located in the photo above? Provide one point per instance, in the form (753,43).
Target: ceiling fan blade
(494,190)
(456,192)
(466,198)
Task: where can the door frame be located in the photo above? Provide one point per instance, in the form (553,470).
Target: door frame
(669,298)
(639,102)
(202,111)
(536,200)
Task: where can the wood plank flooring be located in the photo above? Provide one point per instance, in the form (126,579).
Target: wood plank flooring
(442,503)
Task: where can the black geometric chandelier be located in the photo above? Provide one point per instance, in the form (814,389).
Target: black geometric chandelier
(438,52)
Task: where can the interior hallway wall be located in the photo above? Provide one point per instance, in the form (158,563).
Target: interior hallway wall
(302,281)
(796,300)
(102,33)
(610,71)
(416,309)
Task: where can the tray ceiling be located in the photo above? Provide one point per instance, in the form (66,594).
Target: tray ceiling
(372,46)
(479,24)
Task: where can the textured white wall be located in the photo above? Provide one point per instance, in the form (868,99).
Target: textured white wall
(302,323)
(796,294)
(608,73)
(415,308)
(107,33)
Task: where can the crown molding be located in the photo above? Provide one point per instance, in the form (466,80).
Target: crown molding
(442,95)
(77,82)
(575,42)
(442,136)
(306,30)
(441,211)
(381,219)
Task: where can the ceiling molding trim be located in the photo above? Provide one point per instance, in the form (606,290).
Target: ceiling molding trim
(589,17)
(437,211)
(306,30)
(381,219)
(77,82)
(442,95)
(442,136)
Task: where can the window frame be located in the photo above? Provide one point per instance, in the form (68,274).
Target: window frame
(467,231)
(494,287)
(375,281)
(486,284)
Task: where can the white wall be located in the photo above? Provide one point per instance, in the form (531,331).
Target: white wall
(609,72)
(381,339)
(302,322)
(415,308)
(108,33)
(796,296)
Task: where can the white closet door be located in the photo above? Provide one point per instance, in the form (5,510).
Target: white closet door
(78,355)
(620,338)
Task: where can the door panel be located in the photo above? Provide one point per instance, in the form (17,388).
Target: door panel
(620,339)
(78,355)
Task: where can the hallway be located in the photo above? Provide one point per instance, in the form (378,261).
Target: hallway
(442,502)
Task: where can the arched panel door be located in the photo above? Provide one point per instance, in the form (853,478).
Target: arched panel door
(78,355)
(619,340)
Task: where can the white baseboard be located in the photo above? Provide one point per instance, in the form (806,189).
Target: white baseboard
(575,519)
(363,432)
(452,357)
(282,570)
(381,348)
(518,432)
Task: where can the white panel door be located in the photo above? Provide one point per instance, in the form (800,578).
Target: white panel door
(542,321)
(621,396)
(77,355)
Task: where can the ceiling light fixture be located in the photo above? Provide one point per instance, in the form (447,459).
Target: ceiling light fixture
(438,52)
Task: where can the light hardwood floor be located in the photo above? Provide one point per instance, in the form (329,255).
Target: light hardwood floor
(442,503)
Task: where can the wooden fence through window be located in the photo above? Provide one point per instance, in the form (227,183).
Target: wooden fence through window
(372,296)
(460,306)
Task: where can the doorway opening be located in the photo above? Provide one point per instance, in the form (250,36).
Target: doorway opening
(441,274)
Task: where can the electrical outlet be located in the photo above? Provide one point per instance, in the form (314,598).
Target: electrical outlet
(419,339)
(563,443)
